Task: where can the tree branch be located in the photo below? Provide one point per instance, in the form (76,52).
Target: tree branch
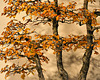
(96,28)
(97,13)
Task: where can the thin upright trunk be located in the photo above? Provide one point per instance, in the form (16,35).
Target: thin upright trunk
(61,70)
(88,53)
(38,68)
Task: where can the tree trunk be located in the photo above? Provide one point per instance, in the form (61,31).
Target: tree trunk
(61,70)
(88,53)
(38,68)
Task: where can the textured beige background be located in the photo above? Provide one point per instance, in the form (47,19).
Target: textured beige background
(72,60)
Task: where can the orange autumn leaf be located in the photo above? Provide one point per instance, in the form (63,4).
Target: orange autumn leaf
(13,66)
(64,42)
(23,76)
(23,18)
(57,18)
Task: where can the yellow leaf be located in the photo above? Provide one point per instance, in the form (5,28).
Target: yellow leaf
(23,76)
(14,16)
(92,24)
(19,30)
(54,52)
(35,14)
(70,3)
(5,77)
(54,14)
(27,29)
(44,11)
(88,47)
(47,3)
(19,10)
(1,58)
(64,42)
(25,9)
(9,3)
(57,36)
(97,30)
(32,54)
(57,45)
(50,6)
(3,47)
(57,18)
(27,54)
(86,20)
(23,18)
(31,16)
(98,46)
(40,6)
(5,60)
(13,66)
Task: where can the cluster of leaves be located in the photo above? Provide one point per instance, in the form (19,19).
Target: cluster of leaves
(17,43)
(48,10)
(23,69)
(72,42)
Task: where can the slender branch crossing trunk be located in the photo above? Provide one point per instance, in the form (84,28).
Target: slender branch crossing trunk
(38,68)
(88,53)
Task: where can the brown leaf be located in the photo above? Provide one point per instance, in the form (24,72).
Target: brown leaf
(49,24)
(96,52)
(23,76)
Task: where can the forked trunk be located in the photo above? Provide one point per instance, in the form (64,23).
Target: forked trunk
(61,70)
(38,68)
